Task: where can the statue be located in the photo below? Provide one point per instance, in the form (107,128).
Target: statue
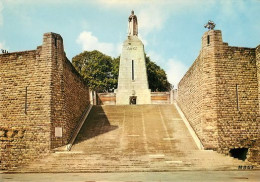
(210,25)
(132,25)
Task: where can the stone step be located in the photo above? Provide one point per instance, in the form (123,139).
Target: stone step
(132,139)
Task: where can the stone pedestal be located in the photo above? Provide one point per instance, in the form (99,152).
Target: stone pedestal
(132,80)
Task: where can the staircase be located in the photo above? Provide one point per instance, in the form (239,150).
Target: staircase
(133,138)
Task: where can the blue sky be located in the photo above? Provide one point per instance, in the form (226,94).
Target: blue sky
(171,30)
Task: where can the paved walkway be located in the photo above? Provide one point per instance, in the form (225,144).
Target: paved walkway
(184,176)
(150,138)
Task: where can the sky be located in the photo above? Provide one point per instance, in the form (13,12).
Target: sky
(171,30)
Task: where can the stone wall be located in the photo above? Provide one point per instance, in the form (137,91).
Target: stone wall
(70,95)
(25,107)
(197,93)
(219,96)
(255,151)
(106,99)
(156,98)
(39,90)
(76,95)
(237,93)
(160,97)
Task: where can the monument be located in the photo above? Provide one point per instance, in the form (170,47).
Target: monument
(132,80)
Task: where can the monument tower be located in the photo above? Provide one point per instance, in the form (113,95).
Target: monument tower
(132,80)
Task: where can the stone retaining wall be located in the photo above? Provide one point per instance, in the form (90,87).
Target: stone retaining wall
(39,90)
(25,107)
(220,98)
(156,98)
(106,99)
(160,98)
(70,95)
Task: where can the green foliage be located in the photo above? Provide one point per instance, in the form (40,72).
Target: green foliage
(157,77)
(101,72)
(115,68)
(97,69)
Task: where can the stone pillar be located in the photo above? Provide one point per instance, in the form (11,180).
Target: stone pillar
(174,95)
(91,99)
(53,51)
(212,44)
(257,52)
(132,79)
(256,154)
(212,38)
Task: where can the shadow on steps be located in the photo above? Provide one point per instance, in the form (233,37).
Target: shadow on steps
(96,124)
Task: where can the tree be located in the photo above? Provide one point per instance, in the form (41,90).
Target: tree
(157,77)
(101,72)
(96,69)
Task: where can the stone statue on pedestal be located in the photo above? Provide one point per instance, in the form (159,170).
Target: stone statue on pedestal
(133,87)
(132,25)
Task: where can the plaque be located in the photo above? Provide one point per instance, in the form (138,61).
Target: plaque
(58,131)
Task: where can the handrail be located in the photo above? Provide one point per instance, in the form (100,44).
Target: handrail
(78,127)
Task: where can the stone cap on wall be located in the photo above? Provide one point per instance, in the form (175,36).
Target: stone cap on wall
(212,38)
(258,48)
